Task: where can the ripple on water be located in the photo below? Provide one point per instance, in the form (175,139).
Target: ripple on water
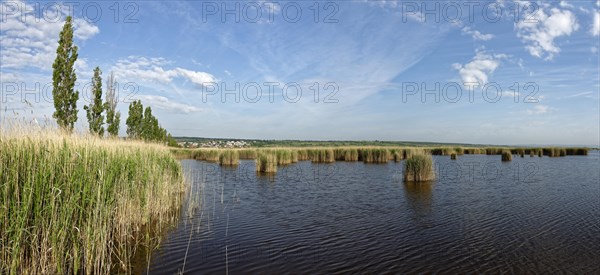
(351,217)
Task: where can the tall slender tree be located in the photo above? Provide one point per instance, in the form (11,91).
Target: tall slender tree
(94,110)
(142,124)
(113,117)
(135,120)
(63,79)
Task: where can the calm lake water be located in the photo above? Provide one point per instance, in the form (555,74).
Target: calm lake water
(529,215)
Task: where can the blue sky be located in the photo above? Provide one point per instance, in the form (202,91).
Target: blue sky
(371,61)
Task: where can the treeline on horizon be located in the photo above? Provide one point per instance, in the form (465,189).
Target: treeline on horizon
(260,143)
(141,123)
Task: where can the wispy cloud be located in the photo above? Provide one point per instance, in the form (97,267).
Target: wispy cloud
(164,103)
(135,68)
(538,110)
(476,34)
(595,29)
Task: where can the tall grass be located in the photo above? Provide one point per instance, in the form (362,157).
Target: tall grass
(247,153)
(506,155)
(346,154)
(266,162)
(229,157)
(210,155)
(74,204)
(396,155)
(374,155)
(418,168)
(285,156)
(322,155)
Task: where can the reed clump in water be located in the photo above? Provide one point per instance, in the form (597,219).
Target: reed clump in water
(210,155)
(577,151)
(285,156)
(374,155)
(506,155)
(322,155)
(493,151)
(418,168)
(229,157)
(396,155)
(303,154)
(453,156)
(266,162)
(80,204)
(247,153)
(346,154)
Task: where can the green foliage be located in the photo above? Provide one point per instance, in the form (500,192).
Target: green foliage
(135,120)
(142,124)
(113,117)
(63,79)
(94,110)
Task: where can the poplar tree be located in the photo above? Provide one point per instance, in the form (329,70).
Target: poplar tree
(135,120)
(94,110)
(63,79)
(113,117)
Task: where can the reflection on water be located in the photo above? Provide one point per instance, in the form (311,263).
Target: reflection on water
(418,196)
(530,215)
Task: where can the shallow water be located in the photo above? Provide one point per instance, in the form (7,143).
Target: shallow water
(481,215)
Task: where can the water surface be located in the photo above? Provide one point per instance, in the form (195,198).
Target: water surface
(481,215)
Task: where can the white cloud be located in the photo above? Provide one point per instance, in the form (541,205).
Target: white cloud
(564,4)
(479,69)
(476,34)
(538,109)
(539,33)
(164,103)
(595,30)
(30,41)
(199,78)
(135,68)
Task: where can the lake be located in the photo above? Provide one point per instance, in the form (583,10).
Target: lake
(529,215)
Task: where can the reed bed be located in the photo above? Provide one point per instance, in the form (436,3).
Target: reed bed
(374,155)
(288,155)
(322,155)
(247,153)
(506,155)
(210,155)
(396,155)
(285,156)
(266,162)
(453,156)
(302,154)
(419,168)
(346,154)
(229,157)
(80,204)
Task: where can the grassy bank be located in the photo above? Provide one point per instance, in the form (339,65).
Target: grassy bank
(82,204)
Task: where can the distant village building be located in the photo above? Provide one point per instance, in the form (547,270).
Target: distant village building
(215,144)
